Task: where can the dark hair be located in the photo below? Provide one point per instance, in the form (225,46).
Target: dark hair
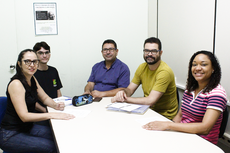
(192,84)
(40,45)
(153,40)
(110,41)
(19,74)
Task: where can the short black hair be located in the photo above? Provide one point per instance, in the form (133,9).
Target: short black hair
(110,41)
(153,40)
(40,45)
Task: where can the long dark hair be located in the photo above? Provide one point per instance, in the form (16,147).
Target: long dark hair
(192,84)
(19,74)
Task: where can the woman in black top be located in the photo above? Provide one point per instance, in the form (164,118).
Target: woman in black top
(17,131)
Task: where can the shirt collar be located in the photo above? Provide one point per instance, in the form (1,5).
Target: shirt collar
(112,66)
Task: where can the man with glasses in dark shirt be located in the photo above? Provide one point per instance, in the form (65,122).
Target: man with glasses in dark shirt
(158,82)
(108,76)
(47,76)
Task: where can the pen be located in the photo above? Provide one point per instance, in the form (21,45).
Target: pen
(67,99)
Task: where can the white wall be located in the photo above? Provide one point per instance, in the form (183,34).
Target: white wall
(222,45)
(152,18)
(8,42)
(82,28)
(184,28)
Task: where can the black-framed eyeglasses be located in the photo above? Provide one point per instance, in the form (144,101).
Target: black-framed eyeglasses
(43,53)
(111,50)
(29,62)
(153,52)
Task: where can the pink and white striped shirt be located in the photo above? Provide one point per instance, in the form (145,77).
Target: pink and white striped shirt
(194,108)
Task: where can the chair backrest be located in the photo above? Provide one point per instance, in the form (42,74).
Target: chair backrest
(178,99)
(3,103)
(224,122)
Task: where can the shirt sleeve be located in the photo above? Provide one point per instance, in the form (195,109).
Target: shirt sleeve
(217,99)
(92,75)
(137,79)
(59,84)
(163,80)
(124,78)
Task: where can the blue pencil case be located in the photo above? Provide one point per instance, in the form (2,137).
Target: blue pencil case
(82,100)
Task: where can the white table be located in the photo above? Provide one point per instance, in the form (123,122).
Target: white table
(103,131)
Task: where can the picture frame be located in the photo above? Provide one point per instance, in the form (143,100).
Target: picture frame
(45,18)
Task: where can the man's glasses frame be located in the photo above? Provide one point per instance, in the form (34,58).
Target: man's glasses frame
(111,50)
(153,52)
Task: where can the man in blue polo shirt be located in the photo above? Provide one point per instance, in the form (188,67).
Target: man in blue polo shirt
(108,76)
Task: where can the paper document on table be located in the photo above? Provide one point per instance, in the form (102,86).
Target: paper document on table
(65,99)
(144,121)
(77,113)
(130,107)
(117,105)
(126,107)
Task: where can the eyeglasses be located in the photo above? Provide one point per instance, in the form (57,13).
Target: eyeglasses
(111,50)
(28,62)
(44,53)
(153,52)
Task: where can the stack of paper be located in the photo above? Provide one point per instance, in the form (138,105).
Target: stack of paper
(126,107)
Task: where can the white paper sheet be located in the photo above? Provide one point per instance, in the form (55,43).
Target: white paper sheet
(124,106)
(130,107)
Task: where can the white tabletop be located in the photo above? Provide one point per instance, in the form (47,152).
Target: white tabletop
(103,131)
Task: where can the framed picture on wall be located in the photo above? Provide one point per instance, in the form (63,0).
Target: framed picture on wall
(45,19)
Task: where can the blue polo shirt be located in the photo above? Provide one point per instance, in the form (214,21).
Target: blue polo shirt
(118,76)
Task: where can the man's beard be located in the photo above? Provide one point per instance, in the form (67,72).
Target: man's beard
(153,62)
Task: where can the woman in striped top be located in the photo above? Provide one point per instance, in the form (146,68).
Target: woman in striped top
(203,102)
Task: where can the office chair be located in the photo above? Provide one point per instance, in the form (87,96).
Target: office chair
(178,99)
(3,102)
(224,122)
